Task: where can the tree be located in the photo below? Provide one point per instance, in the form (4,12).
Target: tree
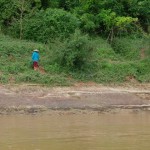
(68,4)
(23,6)
(14,11)
(47,24)
(112,17)
(8,10)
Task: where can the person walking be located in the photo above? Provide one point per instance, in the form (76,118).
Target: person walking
(35,59)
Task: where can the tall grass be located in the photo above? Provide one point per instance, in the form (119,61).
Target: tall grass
(15,63)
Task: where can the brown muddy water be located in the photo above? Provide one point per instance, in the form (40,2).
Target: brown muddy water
(121,131)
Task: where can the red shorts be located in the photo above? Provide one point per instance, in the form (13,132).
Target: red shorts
(35,64)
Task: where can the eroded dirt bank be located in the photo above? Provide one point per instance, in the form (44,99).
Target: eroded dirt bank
(34,99)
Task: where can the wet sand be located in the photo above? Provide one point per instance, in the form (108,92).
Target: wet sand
(86,98)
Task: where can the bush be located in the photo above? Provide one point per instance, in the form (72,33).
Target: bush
(47,25)
(75,53)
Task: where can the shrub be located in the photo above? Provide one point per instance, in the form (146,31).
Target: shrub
(47,25)
(75,53)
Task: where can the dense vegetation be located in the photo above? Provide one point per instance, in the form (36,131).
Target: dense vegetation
(103,41)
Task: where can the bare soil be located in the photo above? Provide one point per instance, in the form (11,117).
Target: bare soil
(82,96)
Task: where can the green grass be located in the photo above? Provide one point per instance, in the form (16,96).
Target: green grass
(15,63)
(108,63)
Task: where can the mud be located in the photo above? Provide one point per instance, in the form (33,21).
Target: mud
(32,99)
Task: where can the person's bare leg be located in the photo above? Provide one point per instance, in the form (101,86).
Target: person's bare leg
(35,68)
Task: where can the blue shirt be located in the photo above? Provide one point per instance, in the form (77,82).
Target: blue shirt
(35,56)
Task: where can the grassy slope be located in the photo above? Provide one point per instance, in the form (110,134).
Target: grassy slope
(128,59)
(15,63)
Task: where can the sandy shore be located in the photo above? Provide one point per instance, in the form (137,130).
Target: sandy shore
(86,97)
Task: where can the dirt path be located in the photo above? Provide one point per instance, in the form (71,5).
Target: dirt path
(33,98)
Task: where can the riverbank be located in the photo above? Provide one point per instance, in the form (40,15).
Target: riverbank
(32,99)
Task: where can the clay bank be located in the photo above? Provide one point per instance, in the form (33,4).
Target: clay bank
(24,99)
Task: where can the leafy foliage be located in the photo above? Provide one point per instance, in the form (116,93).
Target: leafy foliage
(53,23)
(47,25)
(110,18)
(75,53)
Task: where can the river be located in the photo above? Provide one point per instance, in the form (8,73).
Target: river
(121,131)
